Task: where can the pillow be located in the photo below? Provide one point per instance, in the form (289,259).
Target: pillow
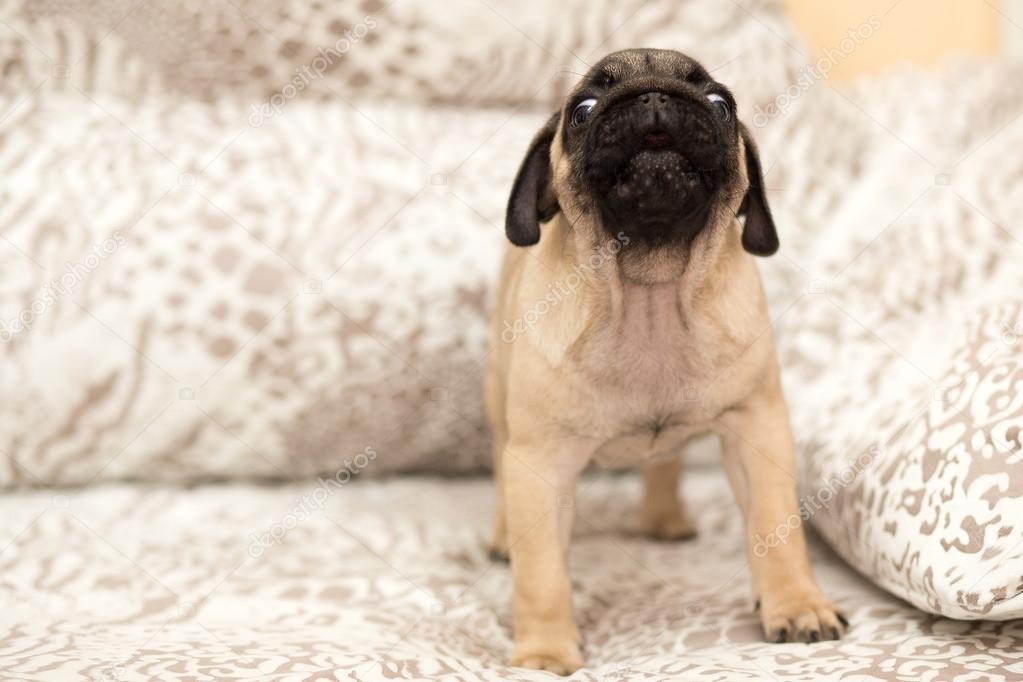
(899,319)
(473,53)
(194,289)
(310,294)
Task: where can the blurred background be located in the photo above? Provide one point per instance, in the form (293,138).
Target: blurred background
(920,33)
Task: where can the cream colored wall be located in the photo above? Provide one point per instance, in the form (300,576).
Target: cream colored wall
(922,32)
(1012,28)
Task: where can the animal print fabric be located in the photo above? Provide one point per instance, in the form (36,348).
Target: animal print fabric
(898,312)
(390,580)
(462,52)
(210,275)
(255,239)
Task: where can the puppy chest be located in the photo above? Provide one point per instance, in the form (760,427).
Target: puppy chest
(645,392)
(640,411)
(658,360)
(655,373)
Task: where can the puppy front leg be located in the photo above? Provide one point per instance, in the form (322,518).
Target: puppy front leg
(760,457)
(539,487)
(663,515)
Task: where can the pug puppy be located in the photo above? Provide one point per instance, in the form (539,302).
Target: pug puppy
(630,319)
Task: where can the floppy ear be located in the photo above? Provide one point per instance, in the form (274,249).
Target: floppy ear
(758,235)
(532,198)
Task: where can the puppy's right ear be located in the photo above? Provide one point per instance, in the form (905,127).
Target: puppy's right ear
(532,198)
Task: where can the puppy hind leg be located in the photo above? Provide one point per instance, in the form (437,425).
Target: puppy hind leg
(499,542)
(663,515)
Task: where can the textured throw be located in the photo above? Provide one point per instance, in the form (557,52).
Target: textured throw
(383,581)
(254,239)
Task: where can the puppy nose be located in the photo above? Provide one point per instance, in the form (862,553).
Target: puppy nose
(655,100)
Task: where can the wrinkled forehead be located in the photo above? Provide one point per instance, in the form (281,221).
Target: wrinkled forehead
(620,67)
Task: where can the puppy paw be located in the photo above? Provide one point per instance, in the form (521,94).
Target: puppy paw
(673,525)
(562,658)
(801,617)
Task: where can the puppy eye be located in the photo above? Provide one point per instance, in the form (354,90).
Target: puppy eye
(720,105)
(582,111)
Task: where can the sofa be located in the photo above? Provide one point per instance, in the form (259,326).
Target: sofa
(248,251)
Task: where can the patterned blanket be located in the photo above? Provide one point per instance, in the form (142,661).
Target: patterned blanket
(253,239)
(390,580)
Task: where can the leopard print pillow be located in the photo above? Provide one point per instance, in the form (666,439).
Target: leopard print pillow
(257,239)
(523,53)
(899,318)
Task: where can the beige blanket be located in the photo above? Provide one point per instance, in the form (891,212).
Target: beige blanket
(374,581)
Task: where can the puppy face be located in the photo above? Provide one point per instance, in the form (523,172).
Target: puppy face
(651,140)
(647,144)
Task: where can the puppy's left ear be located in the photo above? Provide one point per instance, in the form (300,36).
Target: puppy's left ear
(532,199)
(758,235)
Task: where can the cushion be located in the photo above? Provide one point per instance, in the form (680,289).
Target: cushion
(232,316)
(197,287)
(270,54)
(330,582)
(897,307)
